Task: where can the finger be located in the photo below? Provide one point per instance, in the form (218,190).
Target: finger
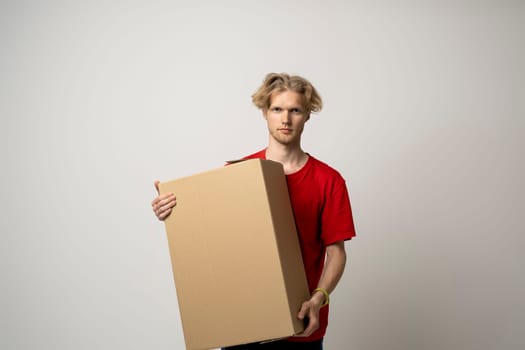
(168,206)
(302,312)
(163,208)
(157,199)
(162,199)
(308,331)
(169,200)
(313,324)
(164,214)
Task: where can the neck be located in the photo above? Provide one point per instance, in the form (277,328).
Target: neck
(292,157)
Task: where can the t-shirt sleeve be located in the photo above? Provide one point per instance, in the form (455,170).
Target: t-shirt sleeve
(337,223)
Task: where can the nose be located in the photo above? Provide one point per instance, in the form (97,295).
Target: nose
(287,120)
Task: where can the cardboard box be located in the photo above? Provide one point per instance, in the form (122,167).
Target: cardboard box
(235,255)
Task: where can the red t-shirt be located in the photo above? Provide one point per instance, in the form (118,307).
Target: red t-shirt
(323,216)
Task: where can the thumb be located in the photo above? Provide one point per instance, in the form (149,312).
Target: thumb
(156,183)
(302,312)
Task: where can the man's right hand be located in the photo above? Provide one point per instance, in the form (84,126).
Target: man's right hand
(163,204)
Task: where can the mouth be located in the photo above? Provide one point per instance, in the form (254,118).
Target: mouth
(285,130)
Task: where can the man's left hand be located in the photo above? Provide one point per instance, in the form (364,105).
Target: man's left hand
(310,310)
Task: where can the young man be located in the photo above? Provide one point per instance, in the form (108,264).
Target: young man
(318,195)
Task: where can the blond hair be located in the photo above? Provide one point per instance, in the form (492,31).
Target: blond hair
(280,82)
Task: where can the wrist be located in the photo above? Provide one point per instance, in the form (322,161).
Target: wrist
(317,298)
(320,296)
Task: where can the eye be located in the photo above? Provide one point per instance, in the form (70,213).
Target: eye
(296,111)
(276,109)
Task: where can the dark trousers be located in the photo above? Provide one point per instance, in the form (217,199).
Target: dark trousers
(279,345)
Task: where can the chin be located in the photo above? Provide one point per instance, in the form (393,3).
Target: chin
(287,142)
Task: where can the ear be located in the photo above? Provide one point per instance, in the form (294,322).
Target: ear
(308,117)
(265,113)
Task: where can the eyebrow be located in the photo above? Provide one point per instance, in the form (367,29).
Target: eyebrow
(291,107)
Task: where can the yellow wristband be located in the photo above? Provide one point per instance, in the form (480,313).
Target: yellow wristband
(326,295)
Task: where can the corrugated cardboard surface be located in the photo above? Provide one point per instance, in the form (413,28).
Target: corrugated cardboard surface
(235,255)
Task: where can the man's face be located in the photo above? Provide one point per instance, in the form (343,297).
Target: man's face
(286,117)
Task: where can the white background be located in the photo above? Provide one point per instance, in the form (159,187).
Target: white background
(424,117)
